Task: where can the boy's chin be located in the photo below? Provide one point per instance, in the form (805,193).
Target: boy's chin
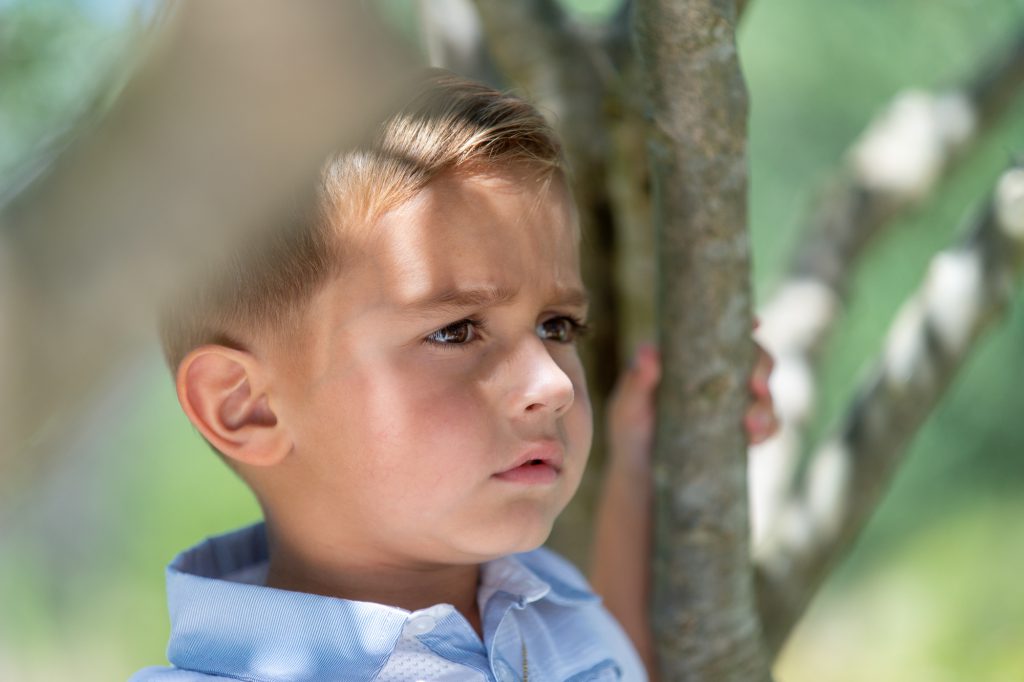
(512,540)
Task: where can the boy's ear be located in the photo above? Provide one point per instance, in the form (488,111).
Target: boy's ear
(223,392)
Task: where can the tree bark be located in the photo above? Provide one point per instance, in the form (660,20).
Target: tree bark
(703,610)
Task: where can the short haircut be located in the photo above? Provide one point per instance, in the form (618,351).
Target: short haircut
(450,124)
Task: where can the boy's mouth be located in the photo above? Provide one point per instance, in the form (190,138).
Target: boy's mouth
(540,464)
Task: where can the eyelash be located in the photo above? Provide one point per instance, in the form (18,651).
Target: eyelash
(577,330)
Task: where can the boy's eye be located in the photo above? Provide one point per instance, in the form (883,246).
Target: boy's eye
(456,334)
(561,329)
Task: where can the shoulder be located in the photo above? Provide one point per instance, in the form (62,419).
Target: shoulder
(162,674)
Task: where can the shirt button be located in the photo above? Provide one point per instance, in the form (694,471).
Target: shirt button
(420,625)
(504,672)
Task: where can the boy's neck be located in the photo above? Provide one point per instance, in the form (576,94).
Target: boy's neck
(380,582)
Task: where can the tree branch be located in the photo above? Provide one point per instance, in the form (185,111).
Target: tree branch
(966,288)
(896,163)
(704,614)
(995,84)
(454,39)
(619,34)
(558,73)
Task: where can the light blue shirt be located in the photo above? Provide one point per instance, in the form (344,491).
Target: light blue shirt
(225,623)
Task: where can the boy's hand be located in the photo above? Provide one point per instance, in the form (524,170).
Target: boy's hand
(631,408)
(631,413)
(760,420)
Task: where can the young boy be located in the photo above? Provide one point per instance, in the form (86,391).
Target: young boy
(397,380)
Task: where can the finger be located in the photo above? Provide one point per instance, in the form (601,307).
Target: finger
(644,369)
(760,423)
(647,364)
(635,386)
(761,374)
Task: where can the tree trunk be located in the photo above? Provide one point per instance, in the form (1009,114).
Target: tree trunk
(704,610)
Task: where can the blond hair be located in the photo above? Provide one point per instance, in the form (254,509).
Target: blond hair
(451,124)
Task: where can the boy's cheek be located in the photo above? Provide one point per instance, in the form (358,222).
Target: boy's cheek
(579,421)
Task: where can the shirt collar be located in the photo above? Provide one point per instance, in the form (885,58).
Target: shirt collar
(261,633)
(221,624)
(528,578)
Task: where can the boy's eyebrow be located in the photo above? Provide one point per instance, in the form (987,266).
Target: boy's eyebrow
(481,297)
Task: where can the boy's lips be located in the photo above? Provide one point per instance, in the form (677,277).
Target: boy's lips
(540,463)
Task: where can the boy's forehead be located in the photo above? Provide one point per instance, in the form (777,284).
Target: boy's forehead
(481,190)
(455,298)
(475,241)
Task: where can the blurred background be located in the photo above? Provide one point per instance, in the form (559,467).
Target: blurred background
(931,591)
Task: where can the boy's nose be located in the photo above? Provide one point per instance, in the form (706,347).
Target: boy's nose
(541,385)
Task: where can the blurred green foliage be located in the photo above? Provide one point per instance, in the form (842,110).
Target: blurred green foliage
(930,592)
(60,63)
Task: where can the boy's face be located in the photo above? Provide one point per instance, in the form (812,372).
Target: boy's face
(409,418)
